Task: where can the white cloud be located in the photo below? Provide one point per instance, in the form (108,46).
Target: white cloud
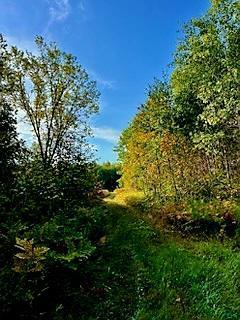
(108,134)
(104,83)
(59,10)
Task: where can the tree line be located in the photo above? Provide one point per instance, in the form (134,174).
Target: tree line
(184,141)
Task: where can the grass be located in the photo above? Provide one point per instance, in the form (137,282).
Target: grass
(126,197)
(146,275)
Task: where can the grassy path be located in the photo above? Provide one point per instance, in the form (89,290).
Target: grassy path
(147,275)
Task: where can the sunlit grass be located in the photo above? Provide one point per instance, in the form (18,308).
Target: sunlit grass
(175,279)
(168,277)
(126,196)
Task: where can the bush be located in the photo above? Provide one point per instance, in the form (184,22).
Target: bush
(48,234)
(47,275)
(41,192)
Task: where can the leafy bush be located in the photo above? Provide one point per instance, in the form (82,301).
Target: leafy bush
(50,263)
(44,192)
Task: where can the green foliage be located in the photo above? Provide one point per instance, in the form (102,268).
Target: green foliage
(184,141)
(45,192)
(49,225)
(56,97)
(52,269)
(11,147)
(65,256)
(108,175)
(30,258)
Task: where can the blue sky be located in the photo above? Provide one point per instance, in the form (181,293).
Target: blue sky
(123,44)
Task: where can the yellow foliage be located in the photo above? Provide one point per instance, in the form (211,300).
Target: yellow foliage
(30,258)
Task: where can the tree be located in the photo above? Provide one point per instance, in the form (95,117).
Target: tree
(57,97)
(10,146)
(46,214)
(185,139)
(205,86)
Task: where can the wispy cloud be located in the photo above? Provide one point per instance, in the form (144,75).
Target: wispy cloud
(108,134)
(82,10)
(103,83)
(59,10)
(82,5)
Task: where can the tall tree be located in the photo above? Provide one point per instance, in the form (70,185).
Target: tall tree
(56,95)
(205,85)
(10,146)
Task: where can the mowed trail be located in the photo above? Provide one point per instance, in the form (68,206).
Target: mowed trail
(176,278)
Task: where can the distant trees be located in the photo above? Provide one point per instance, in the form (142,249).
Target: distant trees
(185,139)
(108,175)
